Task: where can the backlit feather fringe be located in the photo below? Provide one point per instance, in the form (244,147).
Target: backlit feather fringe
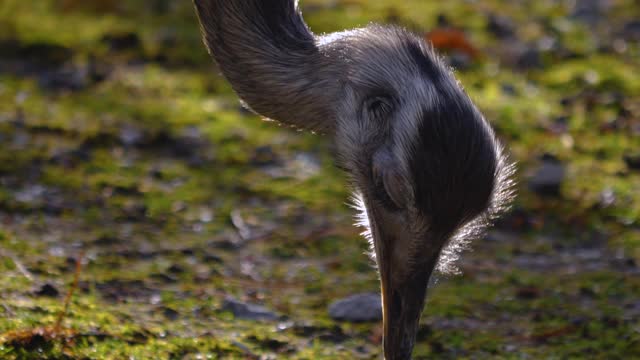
(502,197)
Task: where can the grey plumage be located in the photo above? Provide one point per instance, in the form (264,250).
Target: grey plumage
(269,55)
(427,169)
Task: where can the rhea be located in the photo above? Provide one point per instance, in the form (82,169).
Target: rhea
(426,168)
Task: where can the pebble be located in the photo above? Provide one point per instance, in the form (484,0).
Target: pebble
(248,311)
(47,290)
(130,136)
(530,58)
(632,161)
(66,78)
(500,26)
(632,30)
(123,41)
(357,308)
(170,314)
(548,178)
(590,11)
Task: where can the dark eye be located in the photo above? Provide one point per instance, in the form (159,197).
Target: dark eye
(379,106)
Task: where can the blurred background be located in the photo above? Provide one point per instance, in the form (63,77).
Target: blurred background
(196,230)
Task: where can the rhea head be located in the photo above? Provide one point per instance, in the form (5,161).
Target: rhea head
(427,168)
(425,165)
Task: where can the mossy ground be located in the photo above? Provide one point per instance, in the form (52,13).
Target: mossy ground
(119,142)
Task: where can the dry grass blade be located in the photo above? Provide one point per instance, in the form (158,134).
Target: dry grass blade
(45,336)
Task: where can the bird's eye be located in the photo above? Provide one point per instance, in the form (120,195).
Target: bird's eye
(378,106)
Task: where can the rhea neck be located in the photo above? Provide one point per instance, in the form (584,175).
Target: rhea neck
(272,60)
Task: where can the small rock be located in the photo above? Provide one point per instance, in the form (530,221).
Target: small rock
(443,21)
(188,252)
(170,314)
(500,26)
(530,58)
(124,41)
(97,69)
(528,293)
(271,344)
(31,194)
(632,161)
(306,165)
(590,11)
(121,290)
(587,292)
(248,311)
(263,156)
(560,125)
(67,78)
(548,178)
(211,258)
(176,269)
(165,278)
(43,55)
(47,290)
(632,30)
(70,158)
(510,348)
(206,215)
(307,330)
(101,139)
(130,136)
(623,263)
(334,335)
(357,308)
(509,89)
(229,240)
(243,229)
(607,198)
(460,60)
(133,210)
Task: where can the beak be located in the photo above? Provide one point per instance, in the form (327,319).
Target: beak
(402,305)
(404,287)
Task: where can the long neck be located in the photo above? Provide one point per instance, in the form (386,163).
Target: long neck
(266,51)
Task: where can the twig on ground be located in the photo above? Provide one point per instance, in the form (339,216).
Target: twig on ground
(21,268)
(74,286)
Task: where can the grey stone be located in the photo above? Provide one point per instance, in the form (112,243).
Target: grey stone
(547,179)
(357,308)
(247,311)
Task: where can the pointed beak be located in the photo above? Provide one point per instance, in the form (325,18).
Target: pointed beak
(403,283)
(404,277)
(402,306)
